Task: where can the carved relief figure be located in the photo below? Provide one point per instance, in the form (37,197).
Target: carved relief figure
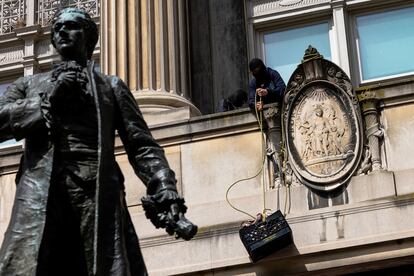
(336,133)
(321,132)
(323,136)
(320,128)
(306,132)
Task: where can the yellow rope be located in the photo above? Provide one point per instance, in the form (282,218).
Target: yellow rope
(282,167)
(259,117)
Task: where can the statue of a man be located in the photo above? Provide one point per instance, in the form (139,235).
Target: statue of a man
(69,216)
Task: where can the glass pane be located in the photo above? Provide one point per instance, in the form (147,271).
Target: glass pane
(284,50)
(386,41)
(3,87)
(8,143)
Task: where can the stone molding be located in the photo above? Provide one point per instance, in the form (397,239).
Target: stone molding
(27,32)
(261,8)
(205,127)
(11,54)
(179,132)
(324,143)
(164,101)
(331,212)
(264,7)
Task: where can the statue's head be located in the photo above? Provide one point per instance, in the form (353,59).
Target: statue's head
(318,111)
(74,33)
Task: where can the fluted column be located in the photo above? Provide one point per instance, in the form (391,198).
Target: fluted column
(145,43)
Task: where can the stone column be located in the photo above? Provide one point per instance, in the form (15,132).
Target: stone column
(373,130)
(145,43)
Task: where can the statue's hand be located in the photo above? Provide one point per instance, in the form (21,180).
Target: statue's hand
(64,82)
(170,204)
(166,209)
(68,86)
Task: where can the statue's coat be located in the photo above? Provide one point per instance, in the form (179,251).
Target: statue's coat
(116,249)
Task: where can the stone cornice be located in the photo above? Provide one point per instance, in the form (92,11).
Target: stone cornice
(313,215)
(261,10)
(28,32)
(195,129)
(392,92)
(205,127)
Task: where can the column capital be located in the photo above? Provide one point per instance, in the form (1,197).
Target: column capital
(161,101)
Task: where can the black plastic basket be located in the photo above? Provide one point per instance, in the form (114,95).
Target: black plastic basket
(266,237)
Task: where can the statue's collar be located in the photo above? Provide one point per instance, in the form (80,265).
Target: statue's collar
(90,64)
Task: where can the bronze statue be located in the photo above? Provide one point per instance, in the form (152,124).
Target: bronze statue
(69,216)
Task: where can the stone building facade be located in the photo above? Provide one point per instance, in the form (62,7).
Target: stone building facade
(186,55)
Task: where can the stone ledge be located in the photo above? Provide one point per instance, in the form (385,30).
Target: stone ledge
(167,116)
(362,244)
(205,127)
(225,226)
(266,7)
(178,132)
(376,185)
(404,182)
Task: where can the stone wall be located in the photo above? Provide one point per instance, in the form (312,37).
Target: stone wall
(365,226)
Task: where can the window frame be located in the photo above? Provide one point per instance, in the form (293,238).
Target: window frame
(355,53)
(293,25)
(17,145)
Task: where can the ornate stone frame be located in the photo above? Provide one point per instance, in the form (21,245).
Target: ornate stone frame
(319,86)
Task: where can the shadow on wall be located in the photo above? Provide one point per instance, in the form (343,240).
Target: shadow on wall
(320,199)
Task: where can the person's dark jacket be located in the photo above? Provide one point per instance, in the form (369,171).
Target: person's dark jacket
(274,85)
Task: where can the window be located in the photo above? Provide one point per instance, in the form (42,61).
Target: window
(9,143)
(285,49)
(12,142)
(385,42)
(3,87)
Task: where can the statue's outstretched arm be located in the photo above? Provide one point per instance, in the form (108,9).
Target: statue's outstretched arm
(20,116)
(163,206)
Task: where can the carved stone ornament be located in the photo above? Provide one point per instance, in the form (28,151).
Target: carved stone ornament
(322,122)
